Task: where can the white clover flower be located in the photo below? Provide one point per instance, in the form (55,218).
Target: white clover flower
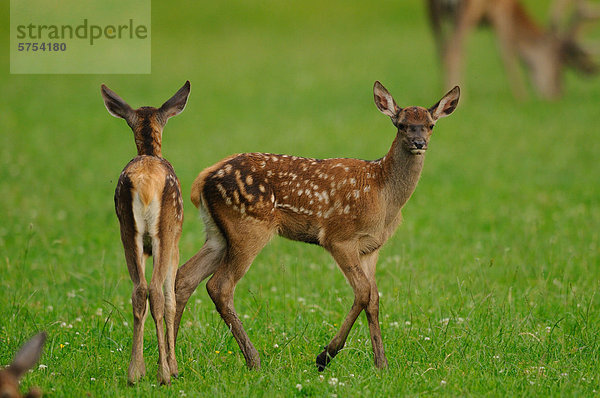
(333,381)
(42,366)
(299,387)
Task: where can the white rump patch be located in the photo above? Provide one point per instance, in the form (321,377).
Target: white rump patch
(146,217)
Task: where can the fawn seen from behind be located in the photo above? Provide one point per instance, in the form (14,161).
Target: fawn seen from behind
(350,207)
(150,211)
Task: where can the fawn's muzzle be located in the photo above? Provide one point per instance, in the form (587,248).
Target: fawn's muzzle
(418,147)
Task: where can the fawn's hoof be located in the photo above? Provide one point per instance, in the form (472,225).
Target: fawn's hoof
(323,360)
(164,380)
(163,375)
(381,363)
(253,364)
(136,372)
(252,358)
(173,369)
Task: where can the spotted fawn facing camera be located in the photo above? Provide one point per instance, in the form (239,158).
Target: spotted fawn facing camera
(150,211)
(350,207)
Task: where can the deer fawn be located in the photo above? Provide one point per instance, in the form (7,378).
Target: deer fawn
(24,360)
(348,206)
(150,211)
(546,52)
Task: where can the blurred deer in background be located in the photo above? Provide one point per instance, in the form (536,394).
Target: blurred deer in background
(546,52)
(350,207)
(24,360)
(150,211)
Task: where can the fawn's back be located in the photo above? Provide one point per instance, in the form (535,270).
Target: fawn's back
(304,199)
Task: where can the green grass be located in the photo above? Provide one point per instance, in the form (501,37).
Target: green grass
(489,287)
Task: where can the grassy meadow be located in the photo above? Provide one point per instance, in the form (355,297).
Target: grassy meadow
(489,287)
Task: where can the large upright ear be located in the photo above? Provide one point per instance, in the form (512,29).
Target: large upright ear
(446,105)
(176,104)
(28,355)
(115,104)
(384,101)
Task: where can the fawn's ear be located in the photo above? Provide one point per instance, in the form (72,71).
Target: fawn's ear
(115,104)
(28,355)
(176,104)
(384,101)
(446,105)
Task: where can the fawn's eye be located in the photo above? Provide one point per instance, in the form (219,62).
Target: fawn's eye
(431,127)
(401,126)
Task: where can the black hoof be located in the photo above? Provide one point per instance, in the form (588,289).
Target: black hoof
(323,360)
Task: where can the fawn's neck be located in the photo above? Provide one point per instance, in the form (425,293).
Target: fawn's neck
(401,171)
(148,144)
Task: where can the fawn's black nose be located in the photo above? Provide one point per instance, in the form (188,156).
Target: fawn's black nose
(419,144)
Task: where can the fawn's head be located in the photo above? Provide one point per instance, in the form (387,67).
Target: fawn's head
(146,122)
(415,124)
(24,360)
(560,47)
(551,57)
